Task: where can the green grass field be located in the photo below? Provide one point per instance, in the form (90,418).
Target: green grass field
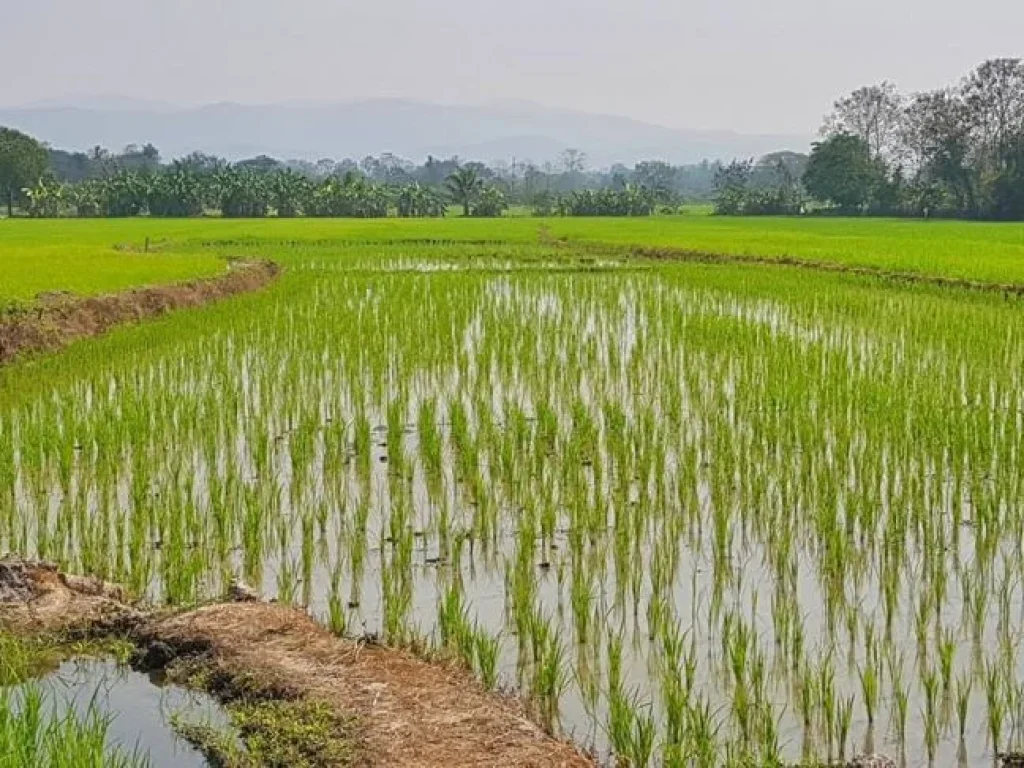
(87,258)
(79,255)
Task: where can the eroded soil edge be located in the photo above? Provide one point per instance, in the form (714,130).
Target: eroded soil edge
(406,711)
(57,319)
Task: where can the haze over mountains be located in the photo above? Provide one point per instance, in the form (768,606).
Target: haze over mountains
(504,130)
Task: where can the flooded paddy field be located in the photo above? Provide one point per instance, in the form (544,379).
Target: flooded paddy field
(697,514)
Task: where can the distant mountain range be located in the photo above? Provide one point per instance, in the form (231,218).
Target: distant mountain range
(499,131)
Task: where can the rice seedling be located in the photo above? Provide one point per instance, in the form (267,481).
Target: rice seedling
(31,734)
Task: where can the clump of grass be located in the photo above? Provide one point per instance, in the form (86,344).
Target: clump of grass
(299,732)
(23,658)
(31,735)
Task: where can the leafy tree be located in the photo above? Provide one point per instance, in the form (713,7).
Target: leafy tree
(290,193)
(354,196)
(47,199)
(86,198)
(779,169)
(465,185)
(574,161)
(731,187)
(842,171)
(1007,202)
(544,203)
(178,193)
(490,203)
(23,163)
(631,200)
(145,159)
(872,114)
(658,177)
(994,96)
(242,192)
(936,133)
(259,164)
(71,166)
(124,194)
(415,200)
(199,162)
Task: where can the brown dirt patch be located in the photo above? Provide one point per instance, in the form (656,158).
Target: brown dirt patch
(408,712)
(36,598)
(57,318)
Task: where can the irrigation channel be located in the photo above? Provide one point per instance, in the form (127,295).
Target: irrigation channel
(699,514)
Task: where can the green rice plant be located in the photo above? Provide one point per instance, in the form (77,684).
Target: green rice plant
(487,650)
(964,685)
(32,734)
(996,705)
(869,686)
(843,723)
(901,701)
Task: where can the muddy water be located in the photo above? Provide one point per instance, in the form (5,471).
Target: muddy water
(139,706)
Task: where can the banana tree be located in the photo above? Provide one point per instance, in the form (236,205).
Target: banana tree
(465,186)
(46,200)
(290,193)
(490,203)
(415,200)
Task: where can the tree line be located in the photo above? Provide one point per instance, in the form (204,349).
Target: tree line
(954,152)
(47,182)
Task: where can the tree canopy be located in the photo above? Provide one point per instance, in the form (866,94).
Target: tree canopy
(23,162)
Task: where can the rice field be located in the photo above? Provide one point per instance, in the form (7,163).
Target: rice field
(699,515)
(36,260)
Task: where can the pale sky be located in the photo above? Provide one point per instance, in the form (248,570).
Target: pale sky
(754,66)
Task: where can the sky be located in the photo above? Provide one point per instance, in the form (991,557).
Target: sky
(753,66)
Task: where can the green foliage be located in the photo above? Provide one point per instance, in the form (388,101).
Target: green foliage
(351,197)
(628,201)
(416,201)
(31,736)
(302,732)
(739,190)
(465,185)
(245,193)
(290,193)
(490,203)
(23,163)
(841,171)
(178,193)
(732,184)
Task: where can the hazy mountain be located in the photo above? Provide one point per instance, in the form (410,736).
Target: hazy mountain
(498,131)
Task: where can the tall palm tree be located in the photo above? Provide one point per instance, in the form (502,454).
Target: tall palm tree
(464,185)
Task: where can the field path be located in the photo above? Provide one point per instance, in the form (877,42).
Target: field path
(408,713)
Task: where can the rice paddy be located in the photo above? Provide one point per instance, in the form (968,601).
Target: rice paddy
(699,515)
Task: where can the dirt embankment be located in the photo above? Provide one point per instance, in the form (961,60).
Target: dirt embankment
(57,319)
(407,712)
(669,254)
(706,257)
